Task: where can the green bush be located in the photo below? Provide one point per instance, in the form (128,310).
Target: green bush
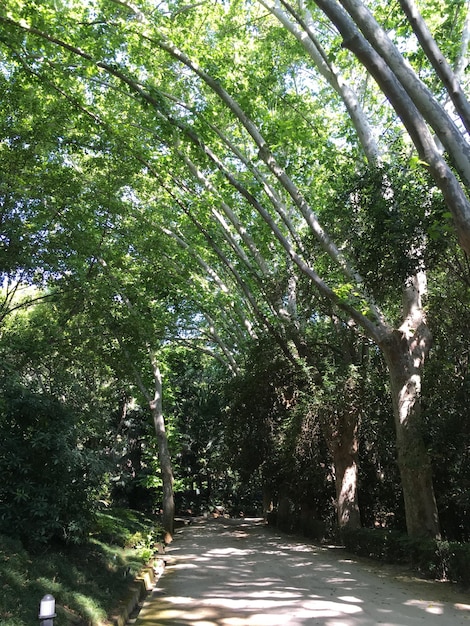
(459,563)
(49,480)
(137,531)
(433,559)
(381,544)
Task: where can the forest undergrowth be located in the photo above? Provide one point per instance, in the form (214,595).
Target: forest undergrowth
(87,580)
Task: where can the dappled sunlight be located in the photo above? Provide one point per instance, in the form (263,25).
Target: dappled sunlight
(269,608)
(338,579)
(228,552)
(275,594)
(434,608)
(238,534)
(350,599)
(272,580)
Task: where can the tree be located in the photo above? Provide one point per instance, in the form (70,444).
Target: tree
(136,330)
(413,102)
(214,132)
(56,406)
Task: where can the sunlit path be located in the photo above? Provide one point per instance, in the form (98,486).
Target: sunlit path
(239,573)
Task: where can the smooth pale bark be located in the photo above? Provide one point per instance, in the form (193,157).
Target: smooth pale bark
(346,475)
(240,229)
(156,408)
(302,28)
(164,457)
(462,58)
(341,436)
(268,504)
(413,459)
(454,194)
(381,333)
(342,441)
(267,156)
(376,328)
(270,191)
(245,322)
(227,352)
(405,350)
(437,59)
(245,288)
(422,97)
(340,427)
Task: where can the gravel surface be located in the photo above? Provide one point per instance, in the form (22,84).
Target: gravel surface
(229,572)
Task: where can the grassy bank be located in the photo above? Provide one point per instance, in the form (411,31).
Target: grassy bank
(87,580)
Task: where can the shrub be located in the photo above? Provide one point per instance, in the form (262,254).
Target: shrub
(386,545)
(431,558)
(49,481)
(137,532)
(459,563)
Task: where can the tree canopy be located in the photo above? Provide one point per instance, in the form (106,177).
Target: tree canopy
(281,189)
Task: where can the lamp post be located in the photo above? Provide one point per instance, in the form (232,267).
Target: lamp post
(47,611)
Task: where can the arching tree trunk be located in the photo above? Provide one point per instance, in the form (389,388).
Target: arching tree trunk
(405,348)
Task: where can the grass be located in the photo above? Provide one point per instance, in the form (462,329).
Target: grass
(87,580)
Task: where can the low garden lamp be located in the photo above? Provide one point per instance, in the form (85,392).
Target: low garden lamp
(47,611)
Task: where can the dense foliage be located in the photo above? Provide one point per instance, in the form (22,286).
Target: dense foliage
(231,200)
(51,481)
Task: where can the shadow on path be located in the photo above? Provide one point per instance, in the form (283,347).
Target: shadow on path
(239,573)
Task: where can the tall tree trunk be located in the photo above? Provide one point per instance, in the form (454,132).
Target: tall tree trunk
(344,451)
(405,350)
(156,408)
(340,424)
(409,112)
(340,432)
(405,367)
(168,504)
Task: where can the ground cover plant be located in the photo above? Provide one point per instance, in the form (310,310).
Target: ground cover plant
(87,580)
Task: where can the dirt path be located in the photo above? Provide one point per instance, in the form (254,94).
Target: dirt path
(240,573)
